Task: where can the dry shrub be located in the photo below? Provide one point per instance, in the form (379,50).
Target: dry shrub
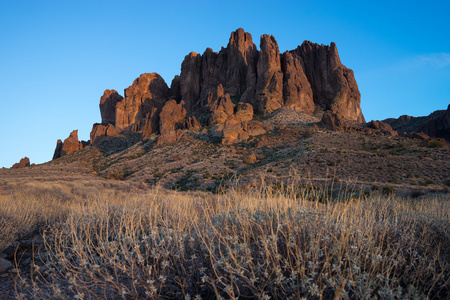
(258,244)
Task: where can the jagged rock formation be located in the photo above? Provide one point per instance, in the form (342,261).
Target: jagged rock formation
(224,89)
(333,85)
(100,132)
(221,107)
(147,92)
(269,84)
(58,149)
(108,104)
(70,145)
(172,116)
(435,125)
(24,162)
(297,92)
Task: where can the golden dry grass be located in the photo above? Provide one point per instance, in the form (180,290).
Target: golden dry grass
(104,243)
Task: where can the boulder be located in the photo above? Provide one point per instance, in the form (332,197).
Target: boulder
(255,128)
(233,130)
(269,85)
(172,116)
(333,85)
(383,127)
(101,131)
(108,106)
(5,265)
(24,162)
(244,111)
(250,159)
(147,92)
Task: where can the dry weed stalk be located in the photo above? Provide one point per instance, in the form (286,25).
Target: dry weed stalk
(275,243)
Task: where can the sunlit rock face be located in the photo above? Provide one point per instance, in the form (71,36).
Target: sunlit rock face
(224,90)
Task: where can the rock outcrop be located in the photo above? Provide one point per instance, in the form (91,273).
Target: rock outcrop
(100,132)
(190,79)
(297,92)
(382,127)
(147,92)
(24,162)
(58,149)
(108,104)
(333,85)
(223,90)
(192,124)
(172,116)
(221,107)
(305,78)
(70,145)
(269,85)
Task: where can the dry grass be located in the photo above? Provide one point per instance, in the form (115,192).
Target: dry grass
(259,244)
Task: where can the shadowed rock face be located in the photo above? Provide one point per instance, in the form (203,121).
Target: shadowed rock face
(269,85)
(436,125)
(297,92)
(190,79)
(58,149)
(333,85)
(108,106)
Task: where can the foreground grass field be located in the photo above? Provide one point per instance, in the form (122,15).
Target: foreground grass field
(112,243)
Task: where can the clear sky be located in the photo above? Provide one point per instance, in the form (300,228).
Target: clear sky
(57,57)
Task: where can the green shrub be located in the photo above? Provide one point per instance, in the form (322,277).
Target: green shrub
(434,144)
(388,190)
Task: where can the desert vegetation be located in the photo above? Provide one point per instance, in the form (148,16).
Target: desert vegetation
(270,242)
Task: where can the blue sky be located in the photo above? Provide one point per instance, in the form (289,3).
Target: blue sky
(57,57)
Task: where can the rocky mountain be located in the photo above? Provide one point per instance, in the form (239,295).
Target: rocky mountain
(226,92)
(436,125)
